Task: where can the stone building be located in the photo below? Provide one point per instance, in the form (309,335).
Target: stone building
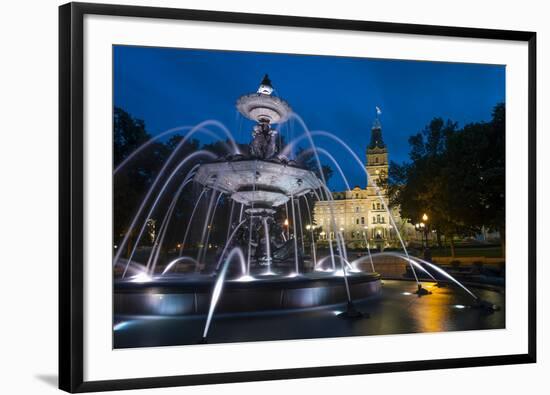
(360,214)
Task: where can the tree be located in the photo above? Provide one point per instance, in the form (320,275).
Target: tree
(455,176)
(132,182)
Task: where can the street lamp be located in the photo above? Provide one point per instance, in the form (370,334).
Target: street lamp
(285,224)
(425,227)
(425,230)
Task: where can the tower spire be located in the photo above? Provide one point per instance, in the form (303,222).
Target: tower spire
(376,140)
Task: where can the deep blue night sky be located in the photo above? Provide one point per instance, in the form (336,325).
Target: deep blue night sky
(174,87)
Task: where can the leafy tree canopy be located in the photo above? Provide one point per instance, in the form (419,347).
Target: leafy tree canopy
(456,176)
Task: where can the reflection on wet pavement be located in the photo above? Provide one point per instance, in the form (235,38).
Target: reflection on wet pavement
(396,310)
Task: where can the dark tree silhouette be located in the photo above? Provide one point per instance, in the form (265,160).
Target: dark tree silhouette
(455,176)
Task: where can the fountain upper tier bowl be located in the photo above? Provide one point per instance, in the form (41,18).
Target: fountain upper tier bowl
(259,107)
(258,182)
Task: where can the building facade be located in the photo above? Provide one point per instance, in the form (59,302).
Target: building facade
(361,214)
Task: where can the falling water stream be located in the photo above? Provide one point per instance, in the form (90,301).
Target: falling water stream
(153,206)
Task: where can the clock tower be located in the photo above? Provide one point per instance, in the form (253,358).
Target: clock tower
(377,153)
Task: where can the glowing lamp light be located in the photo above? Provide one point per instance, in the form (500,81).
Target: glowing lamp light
(425,217)
(286,222)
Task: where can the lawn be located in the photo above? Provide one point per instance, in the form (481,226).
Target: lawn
(478,251)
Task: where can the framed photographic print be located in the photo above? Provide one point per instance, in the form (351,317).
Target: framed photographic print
(253,197)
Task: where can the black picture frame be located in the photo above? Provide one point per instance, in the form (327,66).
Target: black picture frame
(71,223)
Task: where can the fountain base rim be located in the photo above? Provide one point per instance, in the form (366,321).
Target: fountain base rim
(170,297)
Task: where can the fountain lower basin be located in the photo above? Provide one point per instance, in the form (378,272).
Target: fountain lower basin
(192,294)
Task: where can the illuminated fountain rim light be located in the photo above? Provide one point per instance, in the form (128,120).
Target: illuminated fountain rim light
(121,325)
(292,275)
(141,278)
(340,272)
(245,278)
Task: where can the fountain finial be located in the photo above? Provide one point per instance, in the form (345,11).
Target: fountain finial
(265,86)
(262,107)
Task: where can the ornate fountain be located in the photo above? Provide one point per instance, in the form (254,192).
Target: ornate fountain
(262,180)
